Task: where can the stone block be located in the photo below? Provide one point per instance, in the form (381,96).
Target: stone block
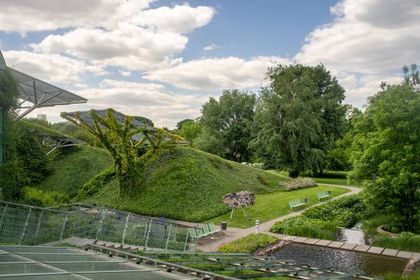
(361,248)
(311,241)
(405,254)
(299,239)
(390,252)
(348,246)
(335,244)
(375,250)
(323,242)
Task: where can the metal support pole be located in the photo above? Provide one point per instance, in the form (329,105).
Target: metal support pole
(186,241)
(39,223)
(101,223)
(232,213)
(25,227)
(125,229)
(64,227)
(148,233)
(243,210)
(3,215)
(169,234)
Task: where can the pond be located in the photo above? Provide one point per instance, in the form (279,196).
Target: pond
(341,260)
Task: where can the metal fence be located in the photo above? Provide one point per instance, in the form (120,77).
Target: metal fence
(31,225)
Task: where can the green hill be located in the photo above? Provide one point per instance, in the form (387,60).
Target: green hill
(188,184)
(183,183)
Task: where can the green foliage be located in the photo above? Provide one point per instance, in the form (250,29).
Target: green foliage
(386,152)
(187,184)
(34,196)
(229,121)
(73,168)
(189,130)
(404,241)
(12,180)
(303,226)
(395,276)
(96,183)
(9,91)
(130,157)
(249,244)
(343,212)
(298,118)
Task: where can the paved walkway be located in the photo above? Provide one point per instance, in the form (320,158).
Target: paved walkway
(211,245)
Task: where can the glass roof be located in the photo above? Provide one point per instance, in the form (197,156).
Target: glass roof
(43,262)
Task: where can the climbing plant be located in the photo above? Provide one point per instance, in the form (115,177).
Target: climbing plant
(130,146)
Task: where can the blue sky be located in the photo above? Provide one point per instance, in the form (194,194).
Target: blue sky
(163,59)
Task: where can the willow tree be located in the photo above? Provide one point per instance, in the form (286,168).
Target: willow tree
(131,145)
(298,118)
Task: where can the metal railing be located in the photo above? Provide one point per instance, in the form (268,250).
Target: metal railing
(32,225)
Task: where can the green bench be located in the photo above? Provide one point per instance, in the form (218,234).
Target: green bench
(296,203)
(203,231)
(323,194)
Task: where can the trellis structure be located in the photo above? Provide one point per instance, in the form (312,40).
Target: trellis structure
(24,224)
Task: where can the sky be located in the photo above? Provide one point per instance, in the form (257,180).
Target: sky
(163,59)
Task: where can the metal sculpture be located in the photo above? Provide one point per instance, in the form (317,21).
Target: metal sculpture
(242,199)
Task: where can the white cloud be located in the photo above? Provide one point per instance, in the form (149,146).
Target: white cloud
(179,19)
(211,47)
(151,100)
(369,39)
(216,73)
(26,15)
(50,67)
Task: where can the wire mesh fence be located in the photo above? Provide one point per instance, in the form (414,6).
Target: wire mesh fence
(31,225)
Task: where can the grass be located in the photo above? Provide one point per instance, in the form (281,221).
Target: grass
(271,205)
(188,184)
(74,168)
(330,177)
(249,244)
(404,241)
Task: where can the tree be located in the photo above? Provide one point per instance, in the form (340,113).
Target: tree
(189,130)
(181,123)
(386,152)
(298,118)
(229,121)
(130,147)
(411,75)
(11,171)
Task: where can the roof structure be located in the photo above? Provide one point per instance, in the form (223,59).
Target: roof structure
(38,92)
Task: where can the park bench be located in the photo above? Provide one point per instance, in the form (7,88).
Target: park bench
(203,231)
(296,203)
(323,194)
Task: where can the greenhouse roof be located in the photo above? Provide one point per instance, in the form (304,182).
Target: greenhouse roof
(65,263)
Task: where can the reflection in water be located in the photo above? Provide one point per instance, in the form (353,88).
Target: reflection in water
(354,235)
(341,260)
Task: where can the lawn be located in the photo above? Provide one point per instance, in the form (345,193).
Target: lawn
(330,177)
(271,205)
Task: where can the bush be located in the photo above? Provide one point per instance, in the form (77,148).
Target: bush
(404,241)
(249,244)
(303,226)
(38,197)
(298,183)
(344,212)
(96,183)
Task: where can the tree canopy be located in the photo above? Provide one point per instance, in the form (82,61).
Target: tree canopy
(229,121)
(386,151)
(298,118)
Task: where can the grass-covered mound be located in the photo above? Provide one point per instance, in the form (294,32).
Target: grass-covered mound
(72,169)
(188,184)
(249,244)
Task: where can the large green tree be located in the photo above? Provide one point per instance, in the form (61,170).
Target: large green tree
(386,151)
(131,147)
(298,118)
(229,121)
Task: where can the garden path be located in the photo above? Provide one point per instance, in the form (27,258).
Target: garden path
(231,234)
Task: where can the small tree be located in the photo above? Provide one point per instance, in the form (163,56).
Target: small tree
(386,152)
(130,147)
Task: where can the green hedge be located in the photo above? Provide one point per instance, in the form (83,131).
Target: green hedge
(249,244)
(303,226)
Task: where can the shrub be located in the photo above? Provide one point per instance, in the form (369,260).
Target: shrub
(303,226)
(344,212)
(404,241)
(38,197)
(249,244)
(96,183)
(298,183)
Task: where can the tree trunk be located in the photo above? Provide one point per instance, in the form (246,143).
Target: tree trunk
(294,173)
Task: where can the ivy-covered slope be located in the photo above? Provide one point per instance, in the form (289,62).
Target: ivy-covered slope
(188,184)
